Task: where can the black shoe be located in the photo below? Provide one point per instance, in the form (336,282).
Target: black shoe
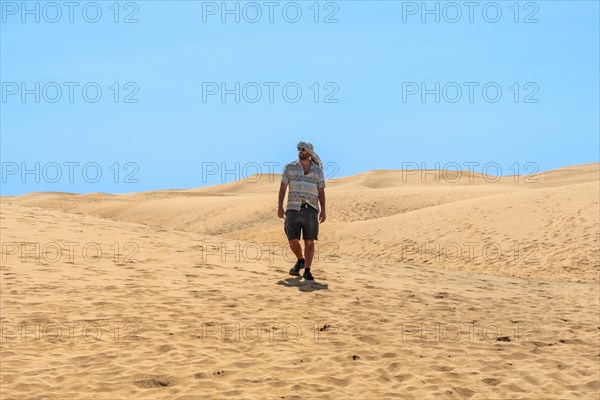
(308,276)
(296,268)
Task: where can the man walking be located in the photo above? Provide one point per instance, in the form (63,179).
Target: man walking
(307,189)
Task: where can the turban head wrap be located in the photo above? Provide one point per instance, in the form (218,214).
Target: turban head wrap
(311,150)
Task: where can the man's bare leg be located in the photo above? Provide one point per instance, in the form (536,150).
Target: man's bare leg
(296,248)
(309,251)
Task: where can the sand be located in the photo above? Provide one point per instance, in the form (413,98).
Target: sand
(461,289)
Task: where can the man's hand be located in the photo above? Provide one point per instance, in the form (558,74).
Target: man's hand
(323,216)
(280,212)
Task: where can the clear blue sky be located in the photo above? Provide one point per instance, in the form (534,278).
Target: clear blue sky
(371,61)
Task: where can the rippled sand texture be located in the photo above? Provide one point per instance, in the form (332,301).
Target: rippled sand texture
(461,289)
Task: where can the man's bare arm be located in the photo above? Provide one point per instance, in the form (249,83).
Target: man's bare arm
(322,198)
(282,190)
(323,215)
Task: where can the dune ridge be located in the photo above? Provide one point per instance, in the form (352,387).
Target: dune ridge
(506,226)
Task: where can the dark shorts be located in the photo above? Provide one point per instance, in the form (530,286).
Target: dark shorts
(305,220)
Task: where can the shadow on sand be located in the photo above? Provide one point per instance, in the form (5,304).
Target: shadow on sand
(302,285)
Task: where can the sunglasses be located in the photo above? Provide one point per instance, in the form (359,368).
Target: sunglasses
(301,149)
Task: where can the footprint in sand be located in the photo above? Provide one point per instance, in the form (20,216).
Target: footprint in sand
(153,383)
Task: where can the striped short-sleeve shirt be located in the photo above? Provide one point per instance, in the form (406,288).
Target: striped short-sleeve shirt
(303,188)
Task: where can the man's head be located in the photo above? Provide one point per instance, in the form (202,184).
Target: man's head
(306,151)
(302,153)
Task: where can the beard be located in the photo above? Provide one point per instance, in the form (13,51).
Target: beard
(303,156)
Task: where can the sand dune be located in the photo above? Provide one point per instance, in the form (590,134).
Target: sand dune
(184,294)
(511,227)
